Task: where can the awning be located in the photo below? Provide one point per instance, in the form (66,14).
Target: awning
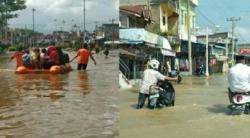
(151,38)
(221,47)
(163,43)
(112,42)
(166,52)
(221,58)
(141,36)
(131,42)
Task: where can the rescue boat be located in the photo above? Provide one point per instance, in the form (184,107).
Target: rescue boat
(56,69)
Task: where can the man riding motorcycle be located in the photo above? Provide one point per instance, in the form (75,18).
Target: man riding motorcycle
(150,77)
(239,77)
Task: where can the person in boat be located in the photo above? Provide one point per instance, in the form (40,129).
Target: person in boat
(53,57)
(63,59)
(61,56)
(82,56)
(43,58)
(27,59)
(18,56)
(35,54)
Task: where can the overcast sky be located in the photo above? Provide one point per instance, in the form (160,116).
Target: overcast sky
(49,14)
(215,13)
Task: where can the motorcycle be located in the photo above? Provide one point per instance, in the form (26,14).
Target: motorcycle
(175,73)
(162,94)
(201,70)
(240,102)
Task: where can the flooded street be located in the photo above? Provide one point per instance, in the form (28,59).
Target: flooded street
(200,111)
(79,104)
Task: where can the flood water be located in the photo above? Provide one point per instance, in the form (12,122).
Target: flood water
(200,112)
(79,104)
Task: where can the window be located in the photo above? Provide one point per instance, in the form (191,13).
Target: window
(183,18)
(193,22)
(164,20)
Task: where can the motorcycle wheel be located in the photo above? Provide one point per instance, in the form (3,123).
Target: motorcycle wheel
(172,104)
(236,112)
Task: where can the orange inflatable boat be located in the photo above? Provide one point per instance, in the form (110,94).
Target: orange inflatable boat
(56,69)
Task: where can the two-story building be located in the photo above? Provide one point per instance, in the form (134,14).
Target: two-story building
(220,50)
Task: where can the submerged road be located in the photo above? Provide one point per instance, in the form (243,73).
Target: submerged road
(79,104)
(200,112)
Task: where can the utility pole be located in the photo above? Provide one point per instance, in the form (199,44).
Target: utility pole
(148,4)
(33,25)
(226,68)
(84,27)
(189,39)
(33,17)
(55,24)
(63,24)
(207,73)
(96,24)
(233,20)
(113,39)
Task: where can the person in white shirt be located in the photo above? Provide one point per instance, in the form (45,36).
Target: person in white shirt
(239,77)
(150,77)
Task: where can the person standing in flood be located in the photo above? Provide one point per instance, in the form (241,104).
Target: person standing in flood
(82,56)
(18,56)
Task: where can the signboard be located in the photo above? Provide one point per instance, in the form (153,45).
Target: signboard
(245,51)
(132,34)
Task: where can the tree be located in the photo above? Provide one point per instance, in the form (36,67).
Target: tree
(8,9)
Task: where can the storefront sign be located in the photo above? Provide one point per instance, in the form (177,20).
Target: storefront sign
(244,51)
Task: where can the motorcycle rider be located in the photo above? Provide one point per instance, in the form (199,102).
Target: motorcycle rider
(150,77)
(239,77)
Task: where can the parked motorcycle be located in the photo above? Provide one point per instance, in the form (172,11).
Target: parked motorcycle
(201,70)
(240,102)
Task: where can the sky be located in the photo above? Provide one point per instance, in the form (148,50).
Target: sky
(214,14)
(50,14)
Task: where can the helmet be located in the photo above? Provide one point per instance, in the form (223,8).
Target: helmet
(154,64)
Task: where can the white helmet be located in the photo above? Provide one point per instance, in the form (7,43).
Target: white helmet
(154,64)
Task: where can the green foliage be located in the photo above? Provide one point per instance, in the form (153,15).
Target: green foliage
(16,47)
(8,9)
(28,32)
(171,32)
(3,47)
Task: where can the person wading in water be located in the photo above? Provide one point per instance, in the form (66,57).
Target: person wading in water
(82,56)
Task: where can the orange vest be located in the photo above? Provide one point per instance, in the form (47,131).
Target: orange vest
(83,56)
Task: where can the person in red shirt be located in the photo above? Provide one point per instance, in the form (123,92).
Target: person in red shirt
(53,55)
(82,56)
(18,56)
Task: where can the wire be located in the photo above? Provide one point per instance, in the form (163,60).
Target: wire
(203,15)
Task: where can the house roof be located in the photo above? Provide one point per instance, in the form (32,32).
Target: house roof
(137,10)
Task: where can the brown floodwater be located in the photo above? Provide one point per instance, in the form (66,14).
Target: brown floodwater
(79,104)
(200,112)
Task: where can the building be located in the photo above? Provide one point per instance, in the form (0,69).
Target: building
(111,33)
(135,16)
(244,49)
(185,6)
(220,50)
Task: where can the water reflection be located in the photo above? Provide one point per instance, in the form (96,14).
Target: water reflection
(45,85)
(79,104)
(8,95)
(83,82)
